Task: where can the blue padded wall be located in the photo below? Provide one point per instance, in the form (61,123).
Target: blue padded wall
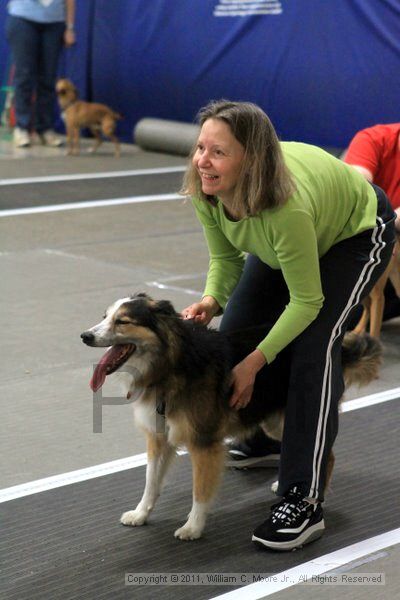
(4,54)
(321,70)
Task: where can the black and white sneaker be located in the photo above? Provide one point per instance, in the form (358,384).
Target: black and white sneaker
(258,451)
(292,523)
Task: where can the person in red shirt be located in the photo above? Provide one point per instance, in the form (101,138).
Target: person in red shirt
(375,153)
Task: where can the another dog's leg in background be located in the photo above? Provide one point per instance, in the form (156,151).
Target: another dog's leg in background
(159,457)
(377,307)
(69,140)
(273,427)
(274,487)
(374,305)
(98,140)
(362,324)
(207,464)
(395,271)
(108,128)
(75,140)
(117,146)
(329,470)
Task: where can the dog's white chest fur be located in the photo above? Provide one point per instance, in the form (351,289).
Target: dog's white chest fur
(144,401)
(145,414)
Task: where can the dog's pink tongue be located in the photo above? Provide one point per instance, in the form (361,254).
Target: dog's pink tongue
(100,372)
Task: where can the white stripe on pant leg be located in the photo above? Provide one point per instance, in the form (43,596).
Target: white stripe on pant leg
(326,393)
(353,301)
(327,378)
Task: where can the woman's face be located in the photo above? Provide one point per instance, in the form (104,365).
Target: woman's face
(218,159)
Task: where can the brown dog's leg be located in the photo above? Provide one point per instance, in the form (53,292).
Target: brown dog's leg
(394,273)
(329,470)
(98,139)
(207,466)
(159,457)
(362,324)
(376,312)
(69,140)
(377,296)
(117,146)
(75,140)
(108,128)
(374,305)
(395,278)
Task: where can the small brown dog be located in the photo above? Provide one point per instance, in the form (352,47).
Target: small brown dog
(99,118)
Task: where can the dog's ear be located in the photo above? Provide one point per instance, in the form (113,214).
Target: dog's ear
(74,91)
(165,307)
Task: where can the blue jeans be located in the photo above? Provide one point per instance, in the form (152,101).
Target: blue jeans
(35,48)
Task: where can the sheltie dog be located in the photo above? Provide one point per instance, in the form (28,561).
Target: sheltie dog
(182,370)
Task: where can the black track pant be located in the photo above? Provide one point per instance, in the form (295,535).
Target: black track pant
(349,270)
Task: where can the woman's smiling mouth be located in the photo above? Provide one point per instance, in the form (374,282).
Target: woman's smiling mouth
(209,176)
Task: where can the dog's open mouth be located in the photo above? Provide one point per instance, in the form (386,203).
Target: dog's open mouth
(112,360)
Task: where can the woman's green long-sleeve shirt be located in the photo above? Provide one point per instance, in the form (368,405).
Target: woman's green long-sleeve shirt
(332,203)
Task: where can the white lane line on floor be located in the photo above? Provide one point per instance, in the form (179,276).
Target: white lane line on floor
(138,460)
(84,176)
(56,481)
(49,483)
(364,560)
(174,288)
(184,277)
(16,212)
(370,400)
(312,568)
(164,283)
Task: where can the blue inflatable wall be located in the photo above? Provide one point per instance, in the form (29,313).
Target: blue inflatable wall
(4,55)
(321,69)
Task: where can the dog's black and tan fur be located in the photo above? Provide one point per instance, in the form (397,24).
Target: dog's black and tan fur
(186,367)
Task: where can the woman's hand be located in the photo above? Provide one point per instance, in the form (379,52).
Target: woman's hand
(202,311)
(243,376)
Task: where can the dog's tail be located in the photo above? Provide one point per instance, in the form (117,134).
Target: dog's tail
(361,358)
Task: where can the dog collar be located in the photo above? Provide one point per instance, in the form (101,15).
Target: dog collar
(160,408)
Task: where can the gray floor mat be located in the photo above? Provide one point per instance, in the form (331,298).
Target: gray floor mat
(36,194)
(67,543)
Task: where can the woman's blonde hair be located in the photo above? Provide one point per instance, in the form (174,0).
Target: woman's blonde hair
(264,180)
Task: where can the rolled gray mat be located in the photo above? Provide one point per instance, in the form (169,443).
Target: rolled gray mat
(161,135)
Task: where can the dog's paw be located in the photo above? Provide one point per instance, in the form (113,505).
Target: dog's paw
(274,487)
(188,532)
(134,518)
